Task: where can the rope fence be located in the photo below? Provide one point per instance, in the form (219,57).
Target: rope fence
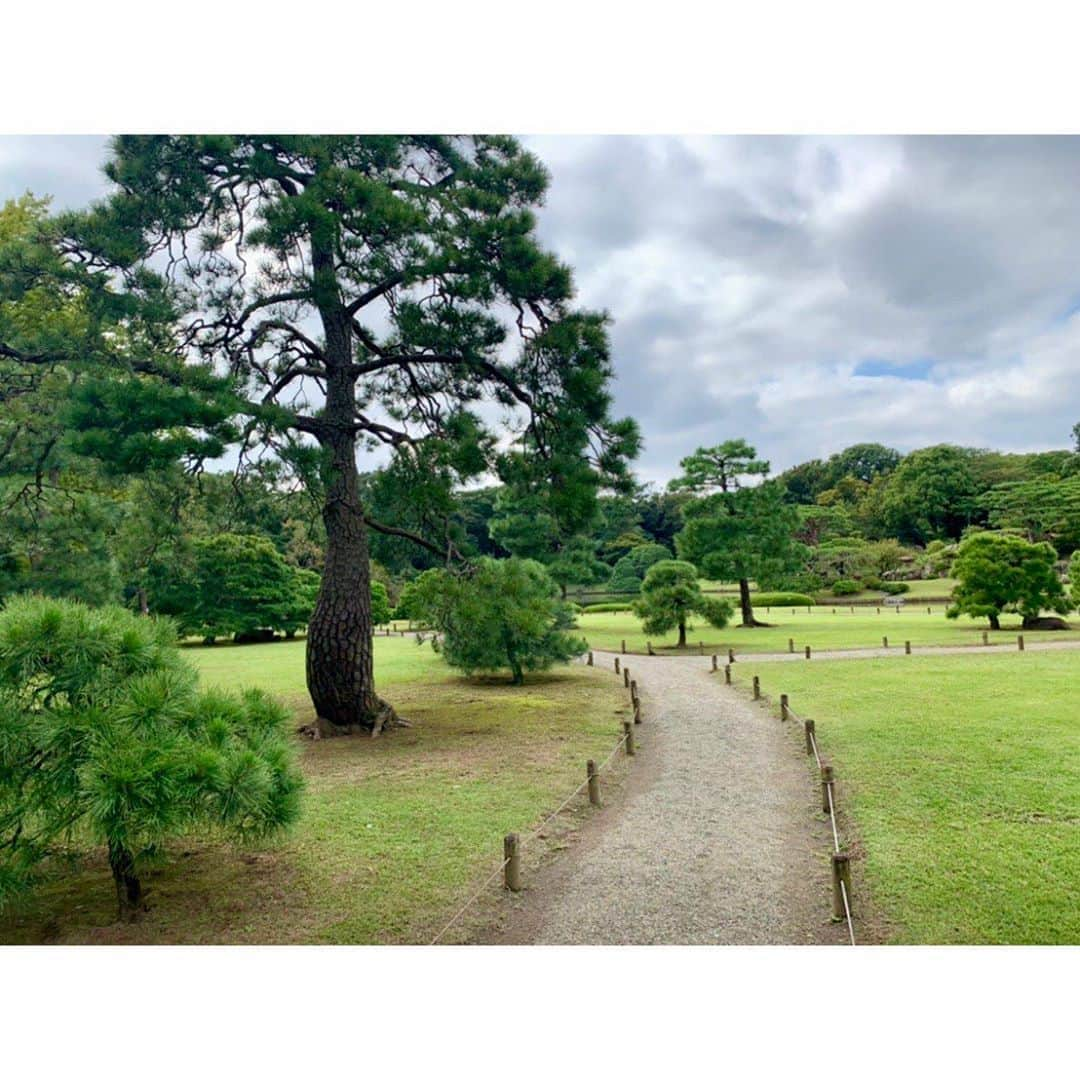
(510,867)
(841,866)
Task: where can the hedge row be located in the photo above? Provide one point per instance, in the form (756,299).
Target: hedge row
(781,599)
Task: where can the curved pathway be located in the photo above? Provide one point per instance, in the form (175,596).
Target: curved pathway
(721,843)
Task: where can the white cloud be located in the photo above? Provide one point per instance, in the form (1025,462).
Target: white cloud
(749,277)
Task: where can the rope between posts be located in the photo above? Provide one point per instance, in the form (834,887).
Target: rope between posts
(528,840)
(847,912)
(464,907)
(792,715)
(832,820)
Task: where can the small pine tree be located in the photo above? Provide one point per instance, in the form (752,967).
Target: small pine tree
(998,572)
(105,737)
(502,614)
(670,594)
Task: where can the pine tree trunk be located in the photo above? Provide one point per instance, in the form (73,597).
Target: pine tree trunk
(682,634)
(746,605)
(340,676)
(128,887)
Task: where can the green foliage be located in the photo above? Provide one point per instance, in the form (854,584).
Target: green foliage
(1074,579)
(734,532)
(999,572)
(781,599)
(501,614)
(619,605)
(231,584)
(380,604)
(1044,509)
(846,587)
(629,572)
(895,588)
(105,737)
(931,495)
(671,594)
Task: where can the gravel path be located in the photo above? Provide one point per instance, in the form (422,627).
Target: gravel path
(723,843)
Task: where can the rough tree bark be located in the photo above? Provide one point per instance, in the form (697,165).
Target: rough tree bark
(682,633)
(746,605)
(995,622)
(340,676)
(129,894)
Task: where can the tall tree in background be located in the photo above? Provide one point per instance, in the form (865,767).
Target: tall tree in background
(349,293)
(736,532)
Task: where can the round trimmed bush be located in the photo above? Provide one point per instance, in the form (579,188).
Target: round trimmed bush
(846,587)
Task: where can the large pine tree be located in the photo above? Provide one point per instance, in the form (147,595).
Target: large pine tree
(333,295)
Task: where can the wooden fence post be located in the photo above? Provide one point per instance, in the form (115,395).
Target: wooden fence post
(590,658)
(841,872)
(624,646)
(807,652)
(929,612)
(986,638)
(1020,642)
(648,648)
(783,706)
(626,677)
(727,674)
(757,688)
(808,730)
(731,656)
(628,732)
(826,786)
(701,648)
(790,644)
(512,855)
(594,782)
(714,662)
(907,647)
(616,665)
(637,711)
(884,642)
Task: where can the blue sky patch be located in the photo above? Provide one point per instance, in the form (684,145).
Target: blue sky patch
(904,369)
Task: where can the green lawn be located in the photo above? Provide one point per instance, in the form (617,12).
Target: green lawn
(820,629)
(395,831)
(960,777)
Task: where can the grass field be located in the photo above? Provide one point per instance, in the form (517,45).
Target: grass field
(820,630)
(960,776)
(394,830)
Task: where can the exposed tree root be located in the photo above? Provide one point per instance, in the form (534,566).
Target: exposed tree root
(386,717)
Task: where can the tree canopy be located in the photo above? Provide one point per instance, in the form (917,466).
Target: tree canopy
(499,615)
(736,532)
(998,572)
(104,734)
(671,594)
(311,296)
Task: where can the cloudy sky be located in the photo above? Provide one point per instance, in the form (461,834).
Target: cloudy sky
(803,293)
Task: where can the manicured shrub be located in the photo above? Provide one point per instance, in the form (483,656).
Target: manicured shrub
(670,594)
(106,739)
(1074,579)
(781,599)
(998,572)
(846,587)
(895,588)
(501,614)
(612,606)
